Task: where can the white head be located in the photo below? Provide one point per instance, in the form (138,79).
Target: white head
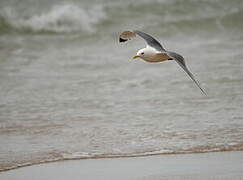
(145,53)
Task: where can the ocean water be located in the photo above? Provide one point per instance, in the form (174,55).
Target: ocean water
(69,90)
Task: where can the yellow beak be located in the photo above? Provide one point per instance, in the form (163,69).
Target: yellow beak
(134,57)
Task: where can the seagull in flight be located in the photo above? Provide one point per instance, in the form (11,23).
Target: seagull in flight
(155,52)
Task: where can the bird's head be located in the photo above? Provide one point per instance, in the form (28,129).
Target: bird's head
(140,54)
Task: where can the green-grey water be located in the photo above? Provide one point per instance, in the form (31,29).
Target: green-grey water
(69,90)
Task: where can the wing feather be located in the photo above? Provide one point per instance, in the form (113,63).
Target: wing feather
(180,60)
(126,35)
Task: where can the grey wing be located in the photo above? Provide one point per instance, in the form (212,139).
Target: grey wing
(126,35)
(180,60)
(150,40)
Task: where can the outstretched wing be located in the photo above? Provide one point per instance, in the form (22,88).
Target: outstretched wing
(127,35)
(180,60)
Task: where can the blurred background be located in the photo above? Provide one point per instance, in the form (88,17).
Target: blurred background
(69,90)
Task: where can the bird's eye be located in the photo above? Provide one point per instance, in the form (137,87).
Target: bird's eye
(142,53)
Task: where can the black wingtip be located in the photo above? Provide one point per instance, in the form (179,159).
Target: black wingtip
(122,40)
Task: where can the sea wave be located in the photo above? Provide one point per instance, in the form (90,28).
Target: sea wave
(166,16)
(58,19)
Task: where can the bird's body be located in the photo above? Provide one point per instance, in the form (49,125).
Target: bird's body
(155,52)
(151,55)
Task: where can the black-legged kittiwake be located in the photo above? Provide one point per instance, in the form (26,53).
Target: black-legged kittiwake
(155,52)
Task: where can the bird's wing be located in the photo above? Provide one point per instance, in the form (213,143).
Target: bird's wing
(127,35)
(180,60)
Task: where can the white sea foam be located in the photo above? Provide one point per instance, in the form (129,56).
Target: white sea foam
(59,18)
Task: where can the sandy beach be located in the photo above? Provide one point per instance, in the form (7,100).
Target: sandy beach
(205,166)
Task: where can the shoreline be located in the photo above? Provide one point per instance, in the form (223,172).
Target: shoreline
(222,165)
(103,156)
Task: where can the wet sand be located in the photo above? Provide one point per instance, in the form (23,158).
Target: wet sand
(205,166)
